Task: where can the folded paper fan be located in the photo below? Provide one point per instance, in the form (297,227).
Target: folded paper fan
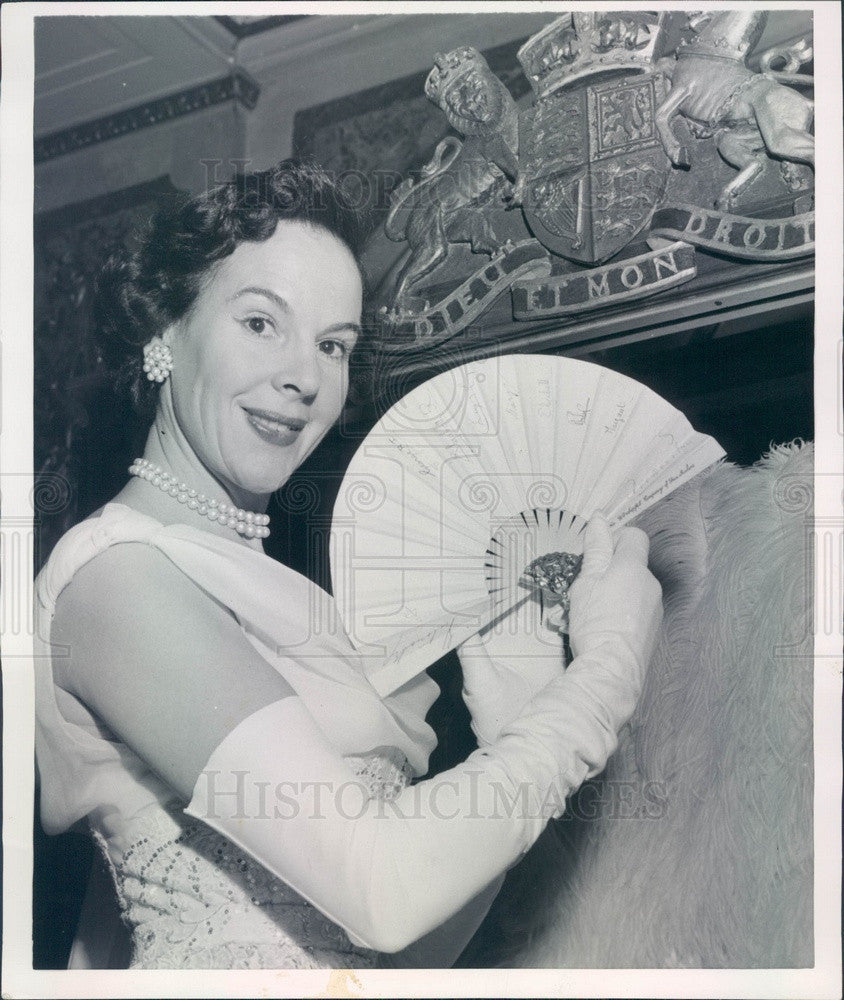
(454,500)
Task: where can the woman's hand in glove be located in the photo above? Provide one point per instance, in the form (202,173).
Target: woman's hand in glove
(505,665)
(616,610)
(615,598)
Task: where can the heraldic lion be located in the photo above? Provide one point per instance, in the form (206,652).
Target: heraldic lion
(446,204)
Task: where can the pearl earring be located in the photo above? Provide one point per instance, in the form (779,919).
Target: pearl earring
(158,361)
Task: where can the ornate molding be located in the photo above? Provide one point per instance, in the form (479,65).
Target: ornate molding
(237,86)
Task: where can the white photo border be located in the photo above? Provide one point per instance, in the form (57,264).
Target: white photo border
(16,481)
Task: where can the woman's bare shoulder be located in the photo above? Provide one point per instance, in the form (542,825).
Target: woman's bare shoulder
(122,604)
(127,584)
(165,665)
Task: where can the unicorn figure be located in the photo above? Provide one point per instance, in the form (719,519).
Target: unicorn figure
(752,115)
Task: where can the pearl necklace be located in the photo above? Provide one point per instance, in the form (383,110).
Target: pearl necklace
(244,522)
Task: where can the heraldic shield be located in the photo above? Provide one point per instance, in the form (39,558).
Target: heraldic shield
(594,168)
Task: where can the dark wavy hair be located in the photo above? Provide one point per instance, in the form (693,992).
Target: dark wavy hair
(157,278)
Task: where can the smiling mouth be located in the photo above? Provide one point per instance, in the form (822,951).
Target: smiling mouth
(273,427)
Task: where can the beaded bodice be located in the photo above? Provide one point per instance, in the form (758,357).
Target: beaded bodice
(192,899)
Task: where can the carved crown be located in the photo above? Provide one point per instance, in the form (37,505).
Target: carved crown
(724,34)
(580,44)
(472,97)
(450,68)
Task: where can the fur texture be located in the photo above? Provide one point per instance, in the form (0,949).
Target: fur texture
(695,848)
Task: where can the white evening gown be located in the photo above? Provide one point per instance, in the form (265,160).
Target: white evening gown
(189,897)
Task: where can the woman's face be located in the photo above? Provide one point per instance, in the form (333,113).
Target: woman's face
(260,362)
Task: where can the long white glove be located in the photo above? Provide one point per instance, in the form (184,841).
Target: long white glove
(614,600)
(391,872)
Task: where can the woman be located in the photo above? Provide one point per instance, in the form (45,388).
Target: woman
(248,789)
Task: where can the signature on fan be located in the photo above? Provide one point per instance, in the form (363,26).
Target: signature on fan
(579,418)
(618,419)
(648,498)
(440,635)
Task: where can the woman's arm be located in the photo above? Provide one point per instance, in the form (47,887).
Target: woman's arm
(442,947)
(164,665)
(170,672)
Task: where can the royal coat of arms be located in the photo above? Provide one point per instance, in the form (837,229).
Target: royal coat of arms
(592,166)
(598,172)
(589,190)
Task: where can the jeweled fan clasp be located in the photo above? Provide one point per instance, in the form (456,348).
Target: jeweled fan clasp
(553,574)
